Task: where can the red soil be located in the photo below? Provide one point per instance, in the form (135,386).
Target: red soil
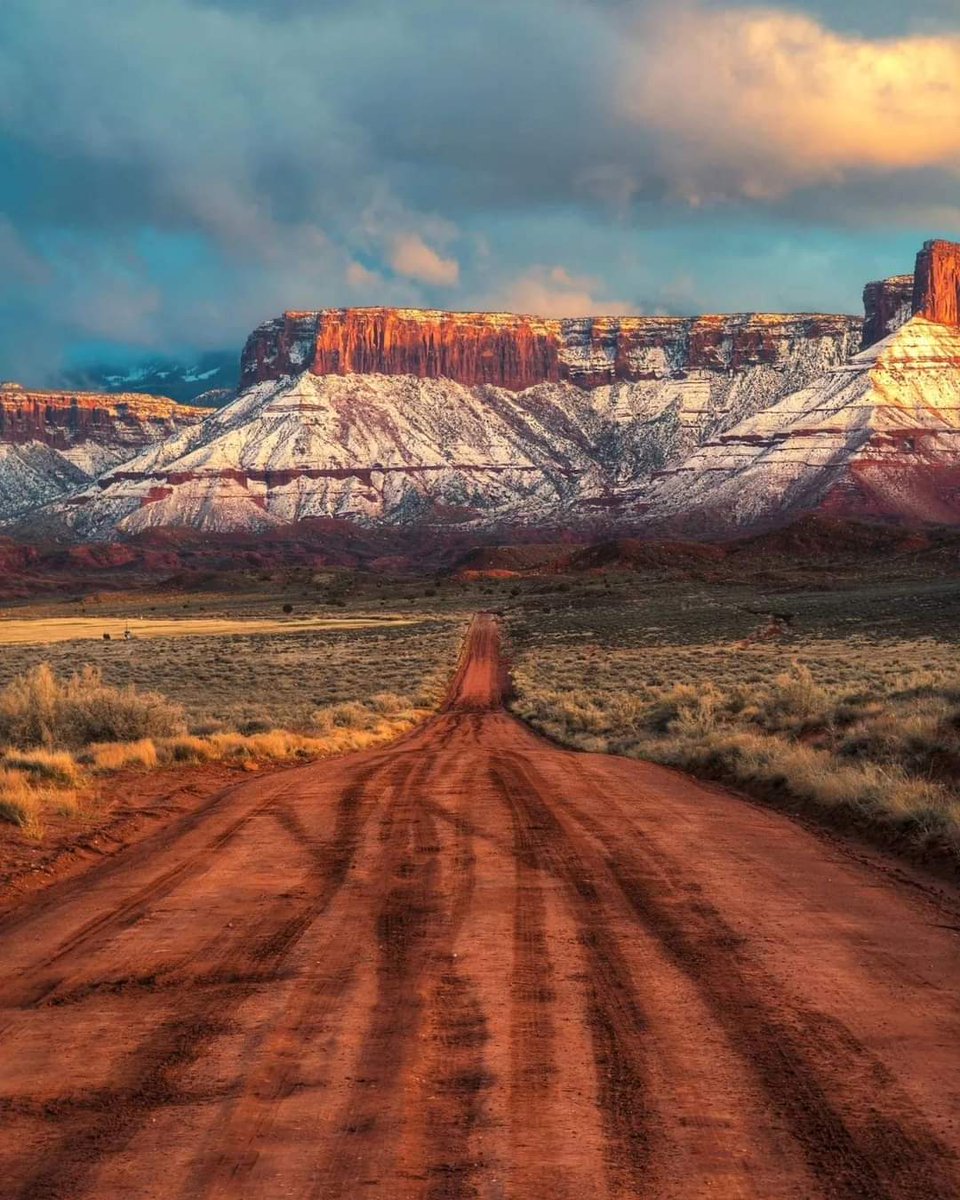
(473,965)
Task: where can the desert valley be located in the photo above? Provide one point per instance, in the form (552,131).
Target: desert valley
(479,601)
(277,814)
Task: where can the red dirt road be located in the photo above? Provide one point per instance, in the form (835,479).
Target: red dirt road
(473,965)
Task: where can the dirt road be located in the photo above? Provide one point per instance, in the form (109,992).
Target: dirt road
(473,965)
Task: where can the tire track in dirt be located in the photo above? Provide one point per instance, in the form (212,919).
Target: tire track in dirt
(455,1077)
(35,986)
(802,1059)
(405,919)
(149,1079)
(444,970)
(614,1010)
(316,998)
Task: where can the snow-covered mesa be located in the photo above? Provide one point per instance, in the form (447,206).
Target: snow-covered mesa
(876,438)
(401,449)
(701,425)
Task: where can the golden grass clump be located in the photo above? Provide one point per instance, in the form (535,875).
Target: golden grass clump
(58,768)
(20,804)
(104,757)
(840,726)
(41,709)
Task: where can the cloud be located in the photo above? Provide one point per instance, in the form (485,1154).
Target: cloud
(17,262)
(211,162)
(554,292)
(358,276)
(756,103)
(412,257)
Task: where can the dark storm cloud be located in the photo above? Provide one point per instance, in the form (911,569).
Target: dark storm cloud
(173,171)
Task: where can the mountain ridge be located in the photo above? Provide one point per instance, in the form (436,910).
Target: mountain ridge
(55,442)
(405,417)
(516,351)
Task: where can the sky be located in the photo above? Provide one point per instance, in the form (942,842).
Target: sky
(176,171)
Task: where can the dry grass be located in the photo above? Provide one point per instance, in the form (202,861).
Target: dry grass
(20,804)
(57,735)
(259,682)
(104,757)
(33,631)
(55,767)
(867,731)
(40,709)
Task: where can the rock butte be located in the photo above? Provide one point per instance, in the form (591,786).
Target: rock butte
(936,294)
(518,352)
(60,419)
(428,418)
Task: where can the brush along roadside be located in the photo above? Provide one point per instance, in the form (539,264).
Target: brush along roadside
(878,752)
(60,736)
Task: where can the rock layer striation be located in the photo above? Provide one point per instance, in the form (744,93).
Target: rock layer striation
(518,352)
(54,442)
(936,294)
(64,419)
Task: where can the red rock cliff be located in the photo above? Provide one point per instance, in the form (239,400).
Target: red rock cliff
(888,304)
(517,352)
(936,293)
(62,419)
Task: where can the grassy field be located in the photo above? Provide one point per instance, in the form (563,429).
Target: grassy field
(840,696)
(244,687)
(842,701)
(39,631)
(257,680)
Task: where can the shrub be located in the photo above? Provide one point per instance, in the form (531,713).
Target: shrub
(794,699)
(187,749)
(38,709)
(19,804)
(322,720)
(116,756)
(255,725)
(48,766)
(387,702)
(351,714)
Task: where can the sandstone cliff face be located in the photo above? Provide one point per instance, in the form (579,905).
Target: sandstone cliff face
(888,304)
(63,419)
(878,438)
(936,293)
(52,443)
(519,352)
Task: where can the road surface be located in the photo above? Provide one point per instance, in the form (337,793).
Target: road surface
(473,965)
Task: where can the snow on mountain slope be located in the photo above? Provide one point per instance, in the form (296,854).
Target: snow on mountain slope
(876,438)
(404,449)
(33,474)
(52,443)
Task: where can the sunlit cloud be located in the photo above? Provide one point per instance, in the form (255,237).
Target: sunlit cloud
(309,153)
(554,292)
(412,257)
(754,103)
